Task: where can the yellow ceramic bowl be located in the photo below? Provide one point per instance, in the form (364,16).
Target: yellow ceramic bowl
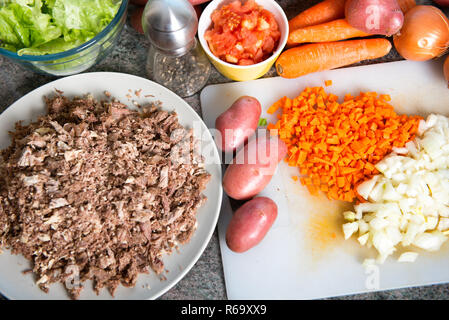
(243,73)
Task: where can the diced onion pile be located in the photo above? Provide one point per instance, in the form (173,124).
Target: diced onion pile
(408,202)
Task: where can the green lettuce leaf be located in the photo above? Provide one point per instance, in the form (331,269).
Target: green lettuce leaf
(49,26)
(54,46)
(7,34)
(89,15)
(17,18)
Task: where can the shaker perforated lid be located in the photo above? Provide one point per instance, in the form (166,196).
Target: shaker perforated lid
(170,25)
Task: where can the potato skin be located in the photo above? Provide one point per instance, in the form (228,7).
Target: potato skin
(195,2)
(242,118)
(136,20)
(139,2)
(253,167)
(143,2)
(250,224)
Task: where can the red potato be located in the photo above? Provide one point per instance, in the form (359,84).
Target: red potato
(375,16)
(139,2)
(253,167)
(198,10)
(144,2)
(136,20)
(195,2)
(250,223)
(238,123)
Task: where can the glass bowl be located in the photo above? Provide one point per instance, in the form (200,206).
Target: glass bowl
(78,59)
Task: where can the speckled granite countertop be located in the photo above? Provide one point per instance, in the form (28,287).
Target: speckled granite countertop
(206,279)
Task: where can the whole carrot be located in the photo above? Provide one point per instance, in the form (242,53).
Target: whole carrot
(326,32)
(324,11)
(316,57)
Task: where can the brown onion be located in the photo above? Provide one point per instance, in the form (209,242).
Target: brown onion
(424,34)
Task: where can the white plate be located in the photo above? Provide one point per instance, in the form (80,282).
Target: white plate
(15,285)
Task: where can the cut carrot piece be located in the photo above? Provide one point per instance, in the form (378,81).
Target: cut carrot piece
(275,106)
(336,145)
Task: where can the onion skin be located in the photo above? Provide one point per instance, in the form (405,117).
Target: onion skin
(406,5)
(424,35)
(446,69)
(383,17)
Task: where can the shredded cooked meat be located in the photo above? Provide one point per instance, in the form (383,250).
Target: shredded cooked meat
(96,191)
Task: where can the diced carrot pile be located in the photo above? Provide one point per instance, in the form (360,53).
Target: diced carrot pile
(336,145)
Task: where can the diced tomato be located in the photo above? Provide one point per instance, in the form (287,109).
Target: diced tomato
(246,62)
(268,45)
(250,43)
(276,34)
(249,6)
(249,21)
(215,16)
(259,55)
(243,34)
(269,18)
(220,43)
(235,6)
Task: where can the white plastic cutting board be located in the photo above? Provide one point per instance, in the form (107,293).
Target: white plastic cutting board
(304,255)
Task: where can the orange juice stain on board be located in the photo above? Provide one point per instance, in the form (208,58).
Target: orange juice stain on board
(323,229)
(319,219)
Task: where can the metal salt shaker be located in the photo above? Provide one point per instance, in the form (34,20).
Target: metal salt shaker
(175,60)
